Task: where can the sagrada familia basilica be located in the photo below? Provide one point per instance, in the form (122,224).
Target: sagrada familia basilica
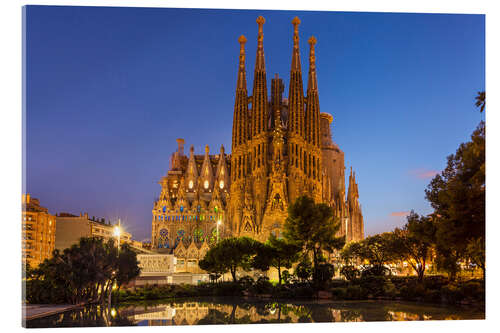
(282,148)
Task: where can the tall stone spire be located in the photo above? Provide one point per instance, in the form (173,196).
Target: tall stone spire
(259,94)
(296,92)
(240,117)
(312,102)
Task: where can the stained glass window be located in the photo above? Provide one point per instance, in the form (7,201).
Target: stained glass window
(198,235)
(180,236)
(163,239)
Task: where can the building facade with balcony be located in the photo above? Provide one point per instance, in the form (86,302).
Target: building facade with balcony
(38,231)
(70,228)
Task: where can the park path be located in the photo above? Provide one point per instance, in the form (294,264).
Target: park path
(32,311)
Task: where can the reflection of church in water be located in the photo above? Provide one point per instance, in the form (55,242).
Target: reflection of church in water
(282,148)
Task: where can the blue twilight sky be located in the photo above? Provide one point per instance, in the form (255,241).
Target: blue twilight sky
(110,89)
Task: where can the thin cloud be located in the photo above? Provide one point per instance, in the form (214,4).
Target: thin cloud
(400,213)
(424,173)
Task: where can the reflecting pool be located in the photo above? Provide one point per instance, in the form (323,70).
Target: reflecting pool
(231,311)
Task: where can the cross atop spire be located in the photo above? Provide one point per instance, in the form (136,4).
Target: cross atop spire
(260,62)
(260,21)
(242,82)
(259,93)
(312,84)
(296,23)
(296,56)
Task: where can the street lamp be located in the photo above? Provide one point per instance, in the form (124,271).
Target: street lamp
(346,221)
(218,223)
(117,232)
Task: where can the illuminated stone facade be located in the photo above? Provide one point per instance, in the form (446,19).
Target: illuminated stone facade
(70,228)
(39,232)
(281,149)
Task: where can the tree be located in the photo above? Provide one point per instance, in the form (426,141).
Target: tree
(481,100)
(413,243)
(277,253)
(476,253)
(210,264)
(128,266)
(458,198)
(85,272)
(229,255)
(377,250)
(312,227)
(304,269)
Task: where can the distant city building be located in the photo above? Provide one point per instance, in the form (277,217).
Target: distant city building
(70,228)
(281,149)
(38,231)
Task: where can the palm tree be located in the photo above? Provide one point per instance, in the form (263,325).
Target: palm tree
(481,100)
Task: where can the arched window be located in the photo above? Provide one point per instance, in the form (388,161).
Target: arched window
(191,184)
(205,184)
(163,239)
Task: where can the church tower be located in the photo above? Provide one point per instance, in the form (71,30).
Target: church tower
(296,144)
(239,150)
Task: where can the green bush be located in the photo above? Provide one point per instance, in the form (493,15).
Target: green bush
(339,293)
(433,296)
(304,270)
(389,289)
(246,282)
(375,271)
(228,289)
(354,291)
(373,285)
(303,290)
(452,293)
(350,272)
(434,282)
(472,290)
(262,286)
(286,277)
(323,274)
(338,283)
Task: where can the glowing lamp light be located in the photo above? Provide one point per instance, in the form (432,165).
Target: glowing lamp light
(117,231)
(113,312)
(219,222)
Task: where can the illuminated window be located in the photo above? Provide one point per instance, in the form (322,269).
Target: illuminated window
(221,184)
(191,184)
(205,184)
(50,222)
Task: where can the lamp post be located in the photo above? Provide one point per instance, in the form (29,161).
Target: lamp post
(117,232)
(346,221)
(218,223)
